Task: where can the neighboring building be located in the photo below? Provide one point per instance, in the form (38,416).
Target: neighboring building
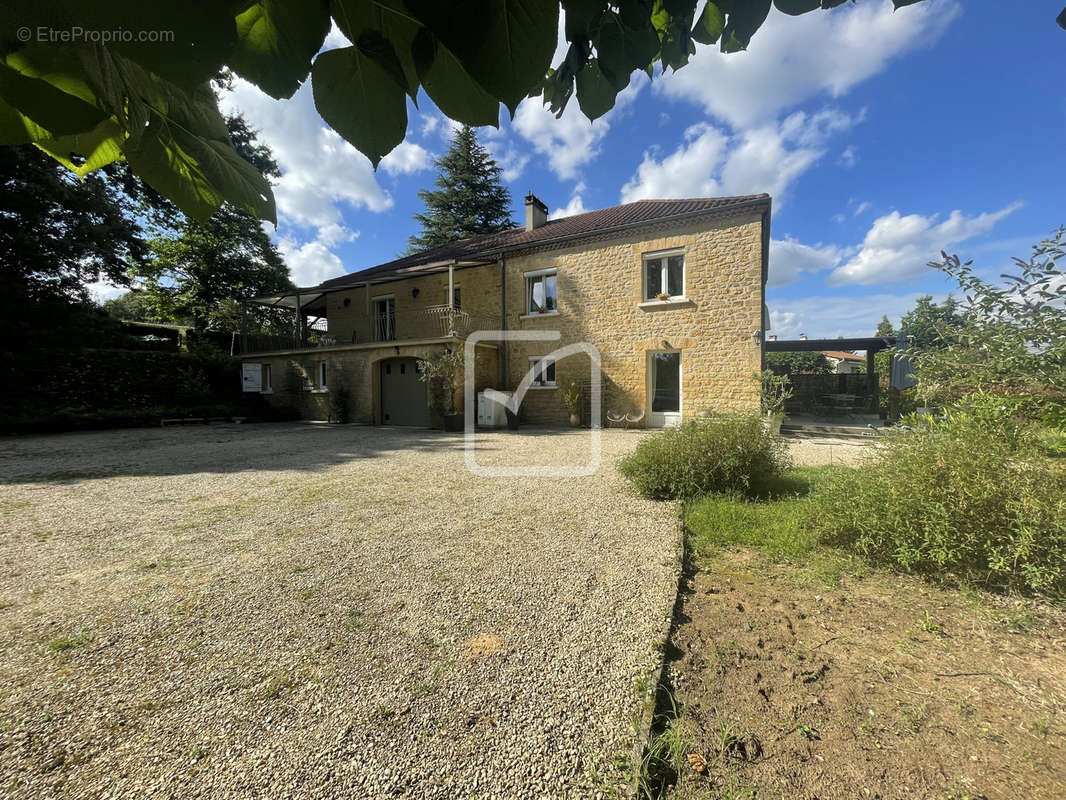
(671,292)
(845,363)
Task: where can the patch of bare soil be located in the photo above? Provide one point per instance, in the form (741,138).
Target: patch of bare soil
(883,687)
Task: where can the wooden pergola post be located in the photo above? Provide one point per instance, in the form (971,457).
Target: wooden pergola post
(299,322)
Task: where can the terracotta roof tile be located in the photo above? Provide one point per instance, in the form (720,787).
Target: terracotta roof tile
(577,226)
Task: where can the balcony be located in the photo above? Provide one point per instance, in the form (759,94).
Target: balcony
(432,322)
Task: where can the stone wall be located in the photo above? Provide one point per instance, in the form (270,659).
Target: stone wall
(479,290)
(600,301)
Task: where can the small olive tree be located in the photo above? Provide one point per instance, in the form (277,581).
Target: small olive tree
(439,371)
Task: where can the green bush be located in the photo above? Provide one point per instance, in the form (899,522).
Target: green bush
(966,499)
(714,455)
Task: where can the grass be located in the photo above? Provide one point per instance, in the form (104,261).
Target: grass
(776,524)
(69,642)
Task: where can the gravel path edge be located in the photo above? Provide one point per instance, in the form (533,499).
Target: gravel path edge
(655,678)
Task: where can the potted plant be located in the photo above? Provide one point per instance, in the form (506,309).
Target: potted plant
(438,371)
(662,296)
(572,401)
(774,391)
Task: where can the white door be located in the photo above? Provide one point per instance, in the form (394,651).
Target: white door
(664,389)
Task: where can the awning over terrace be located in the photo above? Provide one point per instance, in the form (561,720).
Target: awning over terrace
(871,344)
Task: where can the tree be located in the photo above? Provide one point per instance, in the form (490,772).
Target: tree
(132,305)
(931,325)
(206,271)
(1010,338)
(884,327)
(57,234)
(150,103)
(798,362)
(469,199)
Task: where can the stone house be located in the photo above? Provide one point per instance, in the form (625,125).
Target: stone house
(845,363)
(670,292)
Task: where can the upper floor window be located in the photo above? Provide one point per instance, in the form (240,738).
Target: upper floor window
(542,292)
(664,275)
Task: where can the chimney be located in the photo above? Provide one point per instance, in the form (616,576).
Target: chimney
(803,337)
(773,337)
(536,212)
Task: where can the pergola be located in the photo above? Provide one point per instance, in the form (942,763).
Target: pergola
(871,344)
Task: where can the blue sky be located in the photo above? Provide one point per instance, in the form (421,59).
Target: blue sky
(883,137)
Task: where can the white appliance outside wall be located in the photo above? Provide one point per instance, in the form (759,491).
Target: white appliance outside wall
(490,414)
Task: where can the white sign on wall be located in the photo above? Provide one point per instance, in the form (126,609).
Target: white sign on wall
(252,377)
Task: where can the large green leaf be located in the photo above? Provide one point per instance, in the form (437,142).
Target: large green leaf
(29,87)
(17,128)
(450,87)
(276,40)
(595,94)
(184,43)
(745,18)
(505,45)
(360,101)
(581,18)
(709,25)
(621,49)
(369,24)
(166,167)
(796,7)
(83,152)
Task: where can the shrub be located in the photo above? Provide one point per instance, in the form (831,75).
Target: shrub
(965,499)
(723,454)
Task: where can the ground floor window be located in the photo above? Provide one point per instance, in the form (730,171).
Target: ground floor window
(320,376)
(543,371)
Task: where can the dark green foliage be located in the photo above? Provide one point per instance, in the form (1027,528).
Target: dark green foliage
(969,499)
(795,363)
(884,327)
(929,325)
(90,388)
(713,455)
(151,103)
(469,199)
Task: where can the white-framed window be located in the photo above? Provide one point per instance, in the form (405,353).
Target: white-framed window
(543,372)
(320,376)
(266,387)
(542,292)
(664,275)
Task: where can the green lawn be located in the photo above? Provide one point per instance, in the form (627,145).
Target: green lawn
(778,526)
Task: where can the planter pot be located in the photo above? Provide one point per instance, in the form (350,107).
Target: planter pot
(512,420)
(773,424)
(453,423)
(575,420)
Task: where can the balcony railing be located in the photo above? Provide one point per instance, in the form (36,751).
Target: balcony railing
(425,323)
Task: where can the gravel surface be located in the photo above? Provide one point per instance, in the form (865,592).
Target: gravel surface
(308,611)
(825,450)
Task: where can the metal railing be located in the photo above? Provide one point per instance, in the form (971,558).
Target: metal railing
(432,322)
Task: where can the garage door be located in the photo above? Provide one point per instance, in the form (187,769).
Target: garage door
(403,395)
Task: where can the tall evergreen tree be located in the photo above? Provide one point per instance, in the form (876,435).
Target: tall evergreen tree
(469,199)
(884,327)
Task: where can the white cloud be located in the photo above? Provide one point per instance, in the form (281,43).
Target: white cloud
(831,316)
(862,208)
(102,291)
(790,259)
(848,158)
(793,59)
(767,158)
(311,262)
(898,248)
(575,206)
(406,159)
(571,141)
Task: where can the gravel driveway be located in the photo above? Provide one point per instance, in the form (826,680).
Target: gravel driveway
(308,611)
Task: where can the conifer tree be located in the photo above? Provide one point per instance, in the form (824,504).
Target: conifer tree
(469,200)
